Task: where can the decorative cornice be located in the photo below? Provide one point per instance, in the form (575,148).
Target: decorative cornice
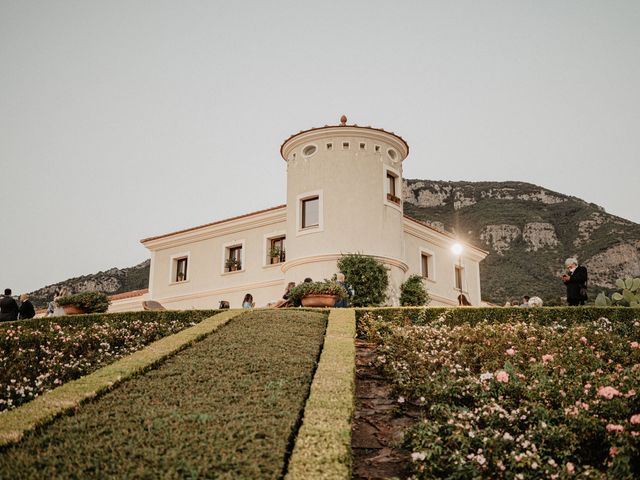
(329,257)
(217,229)
(344,131)
(222,291)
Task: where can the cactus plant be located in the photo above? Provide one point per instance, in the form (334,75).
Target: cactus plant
(602,300)
(629,296)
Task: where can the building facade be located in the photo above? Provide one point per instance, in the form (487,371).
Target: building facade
(344,195)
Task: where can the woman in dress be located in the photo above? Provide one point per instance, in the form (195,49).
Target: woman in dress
(53,309)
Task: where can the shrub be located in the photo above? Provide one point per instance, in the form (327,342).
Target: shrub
(413,292)
(326,287)
(90,302)
(368,277)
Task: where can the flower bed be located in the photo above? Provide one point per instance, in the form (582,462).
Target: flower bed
(40,354)
(226,407)
(518,400)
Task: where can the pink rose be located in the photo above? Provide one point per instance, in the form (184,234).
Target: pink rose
(635,345)
(547,358)
(613,451)
(502,376)
(608,392)
(635,419)
(570,468)
(584,340)
(511,352)
(614,428)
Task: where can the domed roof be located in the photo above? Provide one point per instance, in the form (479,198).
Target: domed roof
(343,123)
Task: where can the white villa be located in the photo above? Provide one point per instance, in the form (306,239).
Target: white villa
(344,187)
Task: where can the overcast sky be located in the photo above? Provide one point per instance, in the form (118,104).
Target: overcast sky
(121,120)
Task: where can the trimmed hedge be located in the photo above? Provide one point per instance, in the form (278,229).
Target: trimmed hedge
(323,446)
(39,354)
(227,407)
(376,318)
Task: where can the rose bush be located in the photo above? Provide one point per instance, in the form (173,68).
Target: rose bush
(516,400)
(40,354)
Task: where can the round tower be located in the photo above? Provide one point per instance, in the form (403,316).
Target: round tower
(344,195)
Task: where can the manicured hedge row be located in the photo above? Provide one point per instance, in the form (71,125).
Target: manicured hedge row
(226,407)
(323,445)
(42,353)
(621,316)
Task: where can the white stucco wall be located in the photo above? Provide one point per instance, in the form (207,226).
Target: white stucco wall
(348,171)
(355,217)
(441,282)
(207,282)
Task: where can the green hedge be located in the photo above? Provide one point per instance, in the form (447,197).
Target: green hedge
(39,354)
(368,317)
(226,407)
(323,445)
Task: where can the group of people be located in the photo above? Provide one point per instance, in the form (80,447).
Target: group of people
(288,301)
(10,310)
(526,301)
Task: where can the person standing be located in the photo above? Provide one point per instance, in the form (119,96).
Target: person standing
(53,309)
(27,310)
(343,302)
(8,307)
(576,282)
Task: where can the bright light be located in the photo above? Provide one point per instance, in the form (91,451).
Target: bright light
(457,249)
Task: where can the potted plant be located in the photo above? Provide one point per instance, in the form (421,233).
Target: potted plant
(84,302)
(232,264)
(318,294)
(275,254)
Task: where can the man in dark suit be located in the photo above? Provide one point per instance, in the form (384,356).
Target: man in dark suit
(8,307)
(27,310)
(576,281)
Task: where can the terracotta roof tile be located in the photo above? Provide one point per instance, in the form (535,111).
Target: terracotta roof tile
(131,294)
(212,223)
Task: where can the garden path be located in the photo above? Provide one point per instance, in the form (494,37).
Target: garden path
(377,431)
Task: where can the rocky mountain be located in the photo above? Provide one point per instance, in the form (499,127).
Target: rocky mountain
(528,231)
(111,282)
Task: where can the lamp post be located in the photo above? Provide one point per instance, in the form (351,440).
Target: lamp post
(457,249)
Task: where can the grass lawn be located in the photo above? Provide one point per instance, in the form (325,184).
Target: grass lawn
(227,407)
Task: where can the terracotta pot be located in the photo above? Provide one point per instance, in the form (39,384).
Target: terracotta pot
(73,310)
(317,300)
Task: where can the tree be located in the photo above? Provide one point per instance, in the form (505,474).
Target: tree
(368,277)
(413,292)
